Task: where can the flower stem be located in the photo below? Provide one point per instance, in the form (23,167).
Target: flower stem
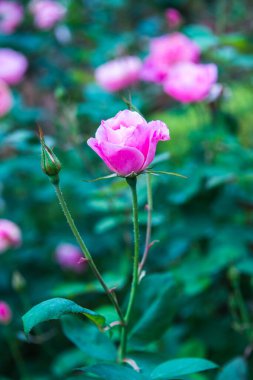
(85,250)
(149,223)
(124,332)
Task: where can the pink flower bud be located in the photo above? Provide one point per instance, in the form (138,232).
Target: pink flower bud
(70,256)
(13,66)
(166,51)
(127,143)
(11,15)
(47,13)
(5,313)
(173,17)
(10,235)
(119,73)
(5,99)
(189,82)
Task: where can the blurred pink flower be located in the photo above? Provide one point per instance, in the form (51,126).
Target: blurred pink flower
(47,13)
(189,82)
(118,73)
(13,66)
(11,15)
(5,103)
(173,17)
(5,313)
(70,256)
(10,235)
(166,51)
(127,143)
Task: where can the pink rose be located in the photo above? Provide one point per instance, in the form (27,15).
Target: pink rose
(165,52)
(11,15)
(119,73)
(13,66)
(127,143)
(69,256)
(173,17)
(47,13)
(5,100)
(189,82)
(5,313)
(10,235)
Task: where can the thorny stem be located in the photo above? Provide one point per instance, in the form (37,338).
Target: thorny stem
(85,250)
(124,332)
(149,223)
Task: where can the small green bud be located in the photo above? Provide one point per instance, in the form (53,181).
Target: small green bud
(18,281)
(50,164)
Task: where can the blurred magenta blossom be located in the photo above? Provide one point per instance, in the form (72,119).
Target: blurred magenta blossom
(10,235)
(5,103)
(119,73)
(5,313)
(173,17)
(127,143)
(11,15)
(166,51)
(69,256)
(47,13)
(13,66)
(190,82)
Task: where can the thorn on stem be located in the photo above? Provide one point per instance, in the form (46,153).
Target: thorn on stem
(83,260)
(153,243)
(132,364)
(113,324)
(112,290)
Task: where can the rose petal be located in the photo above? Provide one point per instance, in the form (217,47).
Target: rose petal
(94,144)
(160,132)
(123,160)
(125,118)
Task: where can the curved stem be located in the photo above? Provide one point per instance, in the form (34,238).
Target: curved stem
(149,223)
(85,250)
(124,332)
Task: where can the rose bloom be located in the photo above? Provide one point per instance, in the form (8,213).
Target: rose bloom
(13,66)
(47,13)
(69,256)
(173,17)
(5,313)
(166,51)
(189,82)
(11,15)
(127,143)
(118,73)
(10,235)
(5,100)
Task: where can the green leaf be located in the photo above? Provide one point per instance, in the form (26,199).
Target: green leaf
(88,339)
(67,361)
(174,369)
(114,372)
(55,309)
(152,309)
(236,369)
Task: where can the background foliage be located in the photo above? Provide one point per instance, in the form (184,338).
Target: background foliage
(202,268)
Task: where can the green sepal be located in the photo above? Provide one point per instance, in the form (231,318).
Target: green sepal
(158,172)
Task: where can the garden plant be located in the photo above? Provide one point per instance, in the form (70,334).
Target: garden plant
(126,190)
